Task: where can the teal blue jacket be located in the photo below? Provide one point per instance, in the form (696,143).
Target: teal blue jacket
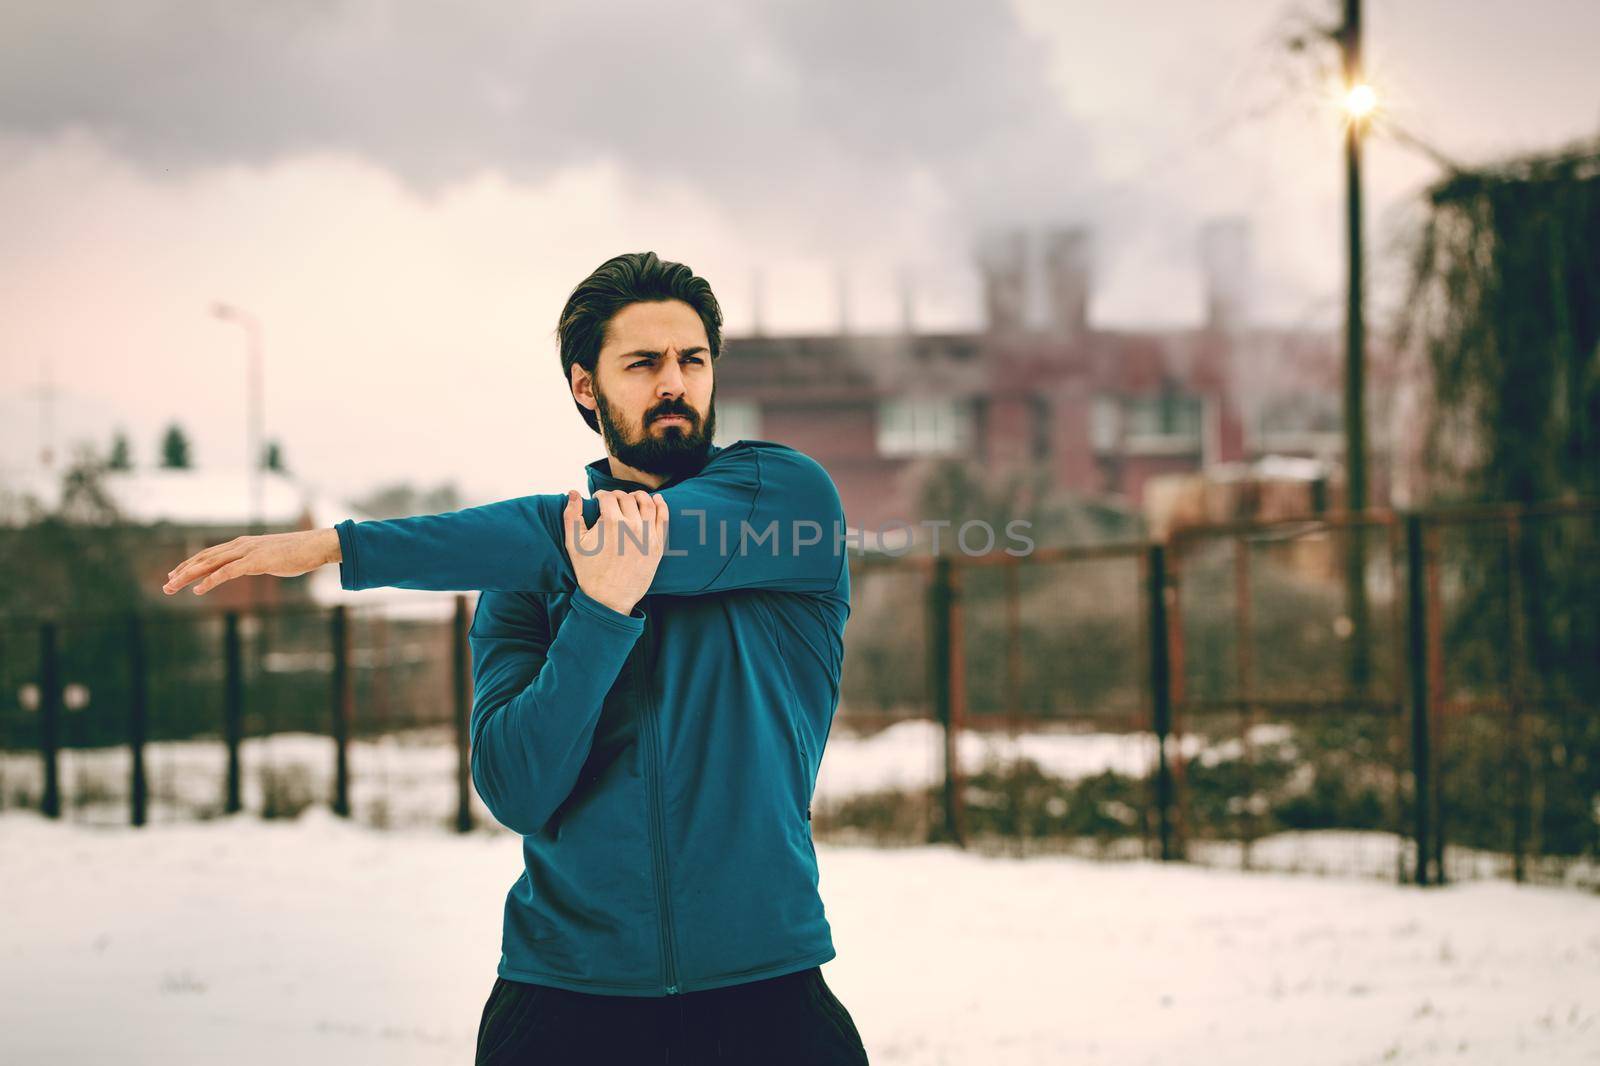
(659,765)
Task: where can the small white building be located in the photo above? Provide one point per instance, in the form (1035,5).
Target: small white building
(202,507)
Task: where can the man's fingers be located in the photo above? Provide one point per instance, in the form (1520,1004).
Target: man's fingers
(571,519)
(206,555)
(196,571)
(628,507)
(596,537)
(237,568)
(201,565)
(630,529)
(197,566)
(197,558)
(644,514)
(649,529)
(660,503)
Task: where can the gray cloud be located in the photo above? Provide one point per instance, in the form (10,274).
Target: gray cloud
(823,112)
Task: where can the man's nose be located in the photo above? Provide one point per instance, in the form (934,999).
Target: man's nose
(670,381)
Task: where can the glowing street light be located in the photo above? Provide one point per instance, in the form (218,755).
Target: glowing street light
(1360,101)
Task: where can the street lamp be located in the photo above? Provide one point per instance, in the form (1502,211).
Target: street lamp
(1360,101)
(253,457)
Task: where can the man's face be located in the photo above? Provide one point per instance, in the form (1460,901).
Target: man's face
(653,388)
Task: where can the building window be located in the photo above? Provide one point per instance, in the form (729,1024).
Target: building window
(1299,424)
(1300,413)
(1166,423)
(924,425)
(1040,409)
(737,420)
(1105,424)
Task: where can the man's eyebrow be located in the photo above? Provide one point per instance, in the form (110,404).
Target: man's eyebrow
(647,353)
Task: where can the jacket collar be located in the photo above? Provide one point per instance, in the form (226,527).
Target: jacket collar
(600,476)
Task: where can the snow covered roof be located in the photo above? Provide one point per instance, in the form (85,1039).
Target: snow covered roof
(1290,468)
(216,496)
(221,497)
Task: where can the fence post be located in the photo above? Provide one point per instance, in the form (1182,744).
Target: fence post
(233,706)
(1015,794)
(958,710)
(463,711)
(50,720)
(138,713)
(342,700)
(942,630)
(1244,664)
(1360,658)
(1160,692)
(1521,776)
(1395,742)
(1417,668)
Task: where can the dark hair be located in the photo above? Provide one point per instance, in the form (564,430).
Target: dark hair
(637,277)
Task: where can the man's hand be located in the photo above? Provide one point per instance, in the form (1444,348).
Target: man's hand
(278,554)
(616,559)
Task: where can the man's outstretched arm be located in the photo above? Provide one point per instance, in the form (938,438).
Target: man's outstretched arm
(756,516)
(537,700)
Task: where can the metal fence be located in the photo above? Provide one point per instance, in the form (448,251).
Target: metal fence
(1284,716)
(183,714)
(1414,697)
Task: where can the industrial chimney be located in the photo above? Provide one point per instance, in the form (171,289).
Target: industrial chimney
(1066,260)
(1003,266)
(1226,266)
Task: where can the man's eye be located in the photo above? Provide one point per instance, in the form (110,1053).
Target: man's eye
(642,362)
(695,359)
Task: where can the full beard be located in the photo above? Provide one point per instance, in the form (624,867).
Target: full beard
(671,452)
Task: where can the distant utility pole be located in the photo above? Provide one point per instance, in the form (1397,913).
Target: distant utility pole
(254,422)
(1359,103)
(47,423)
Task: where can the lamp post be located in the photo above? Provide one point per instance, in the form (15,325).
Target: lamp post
(1360,101)
(254,458)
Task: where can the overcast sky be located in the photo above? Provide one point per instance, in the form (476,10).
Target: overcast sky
(405,193)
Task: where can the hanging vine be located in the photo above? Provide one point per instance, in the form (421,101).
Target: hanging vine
(1505,306)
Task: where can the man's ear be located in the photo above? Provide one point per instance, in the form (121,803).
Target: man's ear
(583,387)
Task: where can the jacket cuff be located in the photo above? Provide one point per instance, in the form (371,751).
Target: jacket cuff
(631,623)
(347,554)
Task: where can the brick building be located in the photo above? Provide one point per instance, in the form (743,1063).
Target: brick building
(1105,411)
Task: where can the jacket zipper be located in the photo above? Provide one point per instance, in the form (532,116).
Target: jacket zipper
(805,772)
(657,819)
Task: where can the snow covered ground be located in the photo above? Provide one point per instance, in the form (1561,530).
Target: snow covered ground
(316,941)
(408,780)
(411,775)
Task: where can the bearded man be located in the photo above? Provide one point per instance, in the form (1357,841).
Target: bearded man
(649,712)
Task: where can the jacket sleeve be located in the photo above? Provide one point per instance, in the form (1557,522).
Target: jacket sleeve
(536,700)
(758,515)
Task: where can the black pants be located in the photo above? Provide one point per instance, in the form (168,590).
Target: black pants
(793,1020)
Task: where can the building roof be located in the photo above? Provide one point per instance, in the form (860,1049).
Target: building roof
(219,498)
(832,366)
(214,496)
(798,368)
